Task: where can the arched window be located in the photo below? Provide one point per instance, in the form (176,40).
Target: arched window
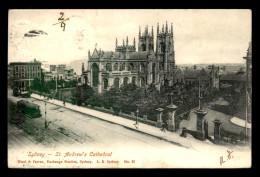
(131,67)
(125,81)
(153,72)
(116,67)
(161,66)
(95,71)
(123,67)
(142,66)
(86,79)
(116,83)
(150,46)
(134,80)
(142,83)
(108,67)
(143,47)
(105,83)
(162,47)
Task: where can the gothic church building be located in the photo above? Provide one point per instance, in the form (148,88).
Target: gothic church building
(138,64)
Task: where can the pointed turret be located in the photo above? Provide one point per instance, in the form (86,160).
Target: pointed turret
(99,52)
(163,28)
(166,28)
(116,42)
(134,42)
(146,29)
(127,41)
(171,29)
(152,31)
(139,31)
(123,42)
(83,68)
(88,54)
(158,28)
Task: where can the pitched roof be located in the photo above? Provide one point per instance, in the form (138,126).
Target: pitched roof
(233,77)
(95,54)
(139,55)
(207,70)
(110,54)
(175,71)
(191,73)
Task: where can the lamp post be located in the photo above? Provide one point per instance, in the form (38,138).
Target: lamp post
(45,99)
(137,112)
(171,94)
(56,77)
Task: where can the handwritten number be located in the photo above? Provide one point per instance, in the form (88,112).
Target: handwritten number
(63,25)
(61,18)
(229,154)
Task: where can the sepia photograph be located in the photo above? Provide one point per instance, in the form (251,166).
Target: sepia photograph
(129,88)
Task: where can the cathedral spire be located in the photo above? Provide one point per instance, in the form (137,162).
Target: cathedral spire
(163,28)
(166,27)
(139,31)
(158,28)
(127,41)
(83,68)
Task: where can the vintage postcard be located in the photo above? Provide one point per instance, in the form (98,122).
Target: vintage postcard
(129,88)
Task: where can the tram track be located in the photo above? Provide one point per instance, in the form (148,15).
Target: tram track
(80,137)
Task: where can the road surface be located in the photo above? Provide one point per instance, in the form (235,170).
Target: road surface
(72,131)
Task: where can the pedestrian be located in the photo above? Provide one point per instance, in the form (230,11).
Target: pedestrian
(163,127)
(166,125)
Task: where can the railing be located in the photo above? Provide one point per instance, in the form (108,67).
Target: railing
(123,115)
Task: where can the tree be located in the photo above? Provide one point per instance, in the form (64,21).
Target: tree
(36,84)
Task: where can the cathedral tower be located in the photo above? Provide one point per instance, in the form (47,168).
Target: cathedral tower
(146,42)
(165,48)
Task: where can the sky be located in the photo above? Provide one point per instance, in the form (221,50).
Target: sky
(200,36)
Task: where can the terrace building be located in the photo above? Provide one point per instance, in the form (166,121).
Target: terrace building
(25,72)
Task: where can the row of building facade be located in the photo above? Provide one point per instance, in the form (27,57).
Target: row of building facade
(22,74)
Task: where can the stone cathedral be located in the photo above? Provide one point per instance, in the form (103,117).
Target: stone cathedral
(147,66)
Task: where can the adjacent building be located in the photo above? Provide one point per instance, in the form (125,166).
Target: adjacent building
(60,71)
(24,73)
(10,76)
(208,76)
(249,82)
(236,80)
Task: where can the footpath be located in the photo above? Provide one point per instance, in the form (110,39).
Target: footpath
(173,137)
(240,122)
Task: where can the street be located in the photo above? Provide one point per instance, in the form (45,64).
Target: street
(87,131)
(71,130)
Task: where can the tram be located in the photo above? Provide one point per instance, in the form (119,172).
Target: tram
(28,109)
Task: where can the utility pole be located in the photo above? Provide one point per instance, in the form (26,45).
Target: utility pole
(46,126)
(29,79)
(199,96)
(247,96)
(56,77)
